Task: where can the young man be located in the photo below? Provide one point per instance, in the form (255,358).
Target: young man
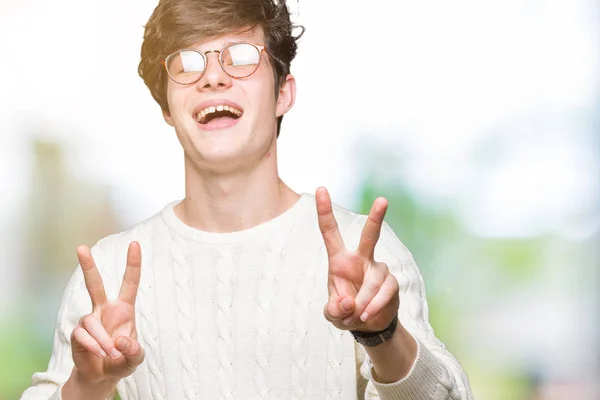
(244,289)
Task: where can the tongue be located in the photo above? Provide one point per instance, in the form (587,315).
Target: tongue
(219,122)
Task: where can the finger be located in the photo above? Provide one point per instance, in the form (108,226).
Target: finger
(82,341)
(131,349)
(91,276)
(131,278)
(338,309)
(327,223)
(386,294)
(94,327)
(372,229)
(374,278)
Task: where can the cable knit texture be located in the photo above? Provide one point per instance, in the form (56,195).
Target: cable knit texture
(186,318)
(240,315)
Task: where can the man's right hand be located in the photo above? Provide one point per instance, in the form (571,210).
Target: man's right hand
(104,344)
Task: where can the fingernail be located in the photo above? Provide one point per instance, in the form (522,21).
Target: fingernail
(102,354)
(364,317)
(348,320)
(115,354)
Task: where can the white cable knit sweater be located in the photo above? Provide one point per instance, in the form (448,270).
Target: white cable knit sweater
(240,315)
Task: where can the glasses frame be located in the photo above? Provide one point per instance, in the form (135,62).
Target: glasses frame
(258,47)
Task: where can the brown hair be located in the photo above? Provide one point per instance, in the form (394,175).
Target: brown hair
(177,24)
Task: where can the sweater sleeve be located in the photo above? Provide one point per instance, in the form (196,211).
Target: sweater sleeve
(436,374)
(75,303)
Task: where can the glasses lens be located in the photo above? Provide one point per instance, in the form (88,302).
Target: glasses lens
(240,59)
(186,66)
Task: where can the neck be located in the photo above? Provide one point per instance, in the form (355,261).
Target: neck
(233,201)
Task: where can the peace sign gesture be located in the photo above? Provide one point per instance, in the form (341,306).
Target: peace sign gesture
(104,344)
(363,294)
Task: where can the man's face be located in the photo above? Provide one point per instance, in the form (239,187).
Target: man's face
(245,132)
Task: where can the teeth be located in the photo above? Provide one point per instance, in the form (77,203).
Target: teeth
(208,110)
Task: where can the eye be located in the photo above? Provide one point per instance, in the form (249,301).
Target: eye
(241,54)
(186,66)
(192,61)
(186,61)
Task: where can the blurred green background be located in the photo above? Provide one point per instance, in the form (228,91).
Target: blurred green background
(478,120)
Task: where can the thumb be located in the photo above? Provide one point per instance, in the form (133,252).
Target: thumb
(131,349)
(346,305)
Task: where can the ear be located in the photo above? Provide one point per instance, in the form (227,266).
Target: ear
(167,116)
(287,96)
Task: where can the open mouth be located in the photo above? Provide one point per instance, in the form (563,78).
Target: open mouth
(218,115)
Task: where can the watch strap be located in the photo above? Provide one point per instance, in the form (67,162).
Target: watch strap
(372,339)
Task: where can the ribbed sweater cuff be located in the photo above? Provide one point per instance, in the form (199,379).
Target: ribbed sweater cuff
(422,381)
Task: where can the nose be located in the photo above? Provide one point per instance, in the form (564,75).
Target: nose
(214,78)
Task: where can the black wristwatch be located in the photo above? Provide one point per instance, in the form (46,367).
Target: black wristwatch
(372,339)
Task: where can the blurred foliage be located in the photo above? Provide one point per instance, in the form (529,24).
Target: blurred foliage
(62,212)
(455,263)
(23,352)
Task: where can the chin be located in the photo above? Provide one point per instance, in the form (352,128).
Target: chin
(223,149)
(218,158)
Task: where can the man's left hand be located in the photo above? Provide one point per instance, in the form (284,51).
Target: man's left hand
(363,294)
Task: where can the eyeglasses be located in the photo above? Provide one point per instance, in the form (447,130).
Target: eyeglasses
(238,60)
